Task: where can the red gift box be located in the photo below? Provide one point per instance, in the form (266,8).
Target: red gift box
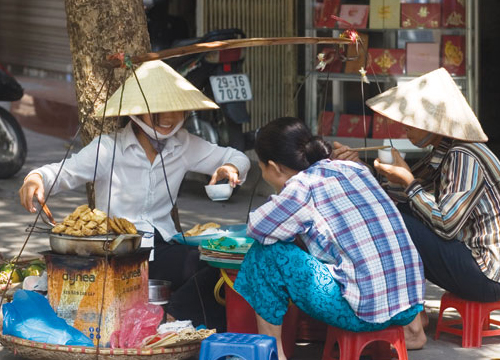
(325,123)
(352,125)
(421,16)
(385,61)
(356,15)
(453,54)
(331,59)
(324,12)
(453,13)
(384,128)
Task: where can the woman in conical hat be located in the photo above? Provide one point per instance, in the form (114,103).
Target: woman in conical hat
(139,192)
(452,193)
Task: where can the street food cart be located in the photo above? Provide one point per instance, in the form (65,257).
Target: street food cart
(110,280)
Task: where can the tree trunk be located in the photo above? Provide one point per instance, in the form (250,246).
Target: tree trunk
(98,28)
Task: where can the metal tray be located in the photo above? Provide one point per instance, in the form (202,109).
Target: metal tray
(112,244)
(237,230)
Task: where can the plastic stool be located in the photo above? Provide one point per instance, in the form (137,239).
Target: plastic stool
(475,319)
(246,346)
(240,316)
(352,344)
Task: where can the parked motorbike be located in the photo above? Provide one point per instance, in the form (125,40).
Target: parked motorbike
(218,74)
(13,146)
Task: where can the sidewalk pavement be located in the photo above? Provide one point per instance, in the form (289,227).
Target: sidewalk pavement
(194,207)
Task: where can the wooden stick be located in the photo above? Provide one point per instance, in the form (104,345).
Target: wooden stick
(370,148)
(113,62)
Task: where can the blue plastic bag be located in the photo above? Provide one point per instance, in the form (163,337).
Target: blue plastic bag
(29,316)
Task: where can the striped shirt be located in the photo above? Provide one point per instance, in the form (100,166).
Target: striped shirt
(347,220)
(457,194)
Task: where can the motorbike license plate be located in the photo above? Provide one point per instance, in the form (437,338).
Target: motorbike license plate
(229,88)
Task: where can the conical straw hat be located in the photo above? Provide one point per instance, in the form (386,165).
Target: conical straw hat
(431,102)
(165,90)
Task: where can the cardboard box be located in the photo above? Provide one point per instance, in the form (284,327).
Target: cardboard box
(421,58)
(384,128)
(75,289)
(385,14)
(421,16)
(352,126)
(325,123)
(453,54)
(324,11)
(453,13)
(386,61)
(356,15)
(358,54)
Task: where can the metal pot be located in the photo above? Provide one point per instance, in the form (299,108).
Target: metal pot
(95,245)
(159,291)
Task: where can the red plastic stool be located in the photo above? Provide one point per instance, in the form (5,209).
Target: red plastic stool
(352,344)
(475,320)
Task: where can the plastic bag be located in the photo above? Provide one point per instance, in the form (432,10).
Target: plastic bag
(29,316)
(137,323)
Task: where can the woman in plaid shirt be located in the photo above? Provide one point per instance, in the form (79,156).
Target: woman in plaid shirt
(360,270)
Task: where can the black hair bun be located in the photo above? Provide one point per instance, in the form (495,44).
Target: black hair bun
(317,149)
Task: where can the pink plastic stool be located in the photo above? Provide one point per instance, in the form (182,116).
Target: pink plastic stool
(352,344)
(475,320)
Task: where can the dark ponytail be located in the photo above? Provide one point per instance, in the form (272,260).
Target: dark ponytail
(289,142)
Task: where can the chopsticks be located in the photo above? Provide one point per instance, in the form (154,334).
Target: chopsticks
(47,212)
(370,148)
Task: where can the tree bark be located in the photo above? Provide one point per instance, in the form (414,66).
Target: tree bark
(98,28)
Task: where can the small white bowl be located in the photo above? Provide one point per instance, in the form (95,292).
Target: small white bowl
(385,156)
(219,192)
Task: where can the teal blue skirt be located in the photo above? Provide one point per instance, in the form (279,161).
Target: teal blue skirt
(272,275)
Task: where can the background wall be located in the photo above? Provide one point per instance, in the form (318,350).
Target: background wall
(489,71)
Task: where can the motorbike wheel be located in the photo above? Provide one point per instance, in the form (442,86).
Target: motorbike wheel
(231,134)
(200,127)
(13,146)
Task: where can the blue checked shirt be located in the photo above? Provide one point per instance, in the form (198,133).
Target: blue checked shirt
(347,220)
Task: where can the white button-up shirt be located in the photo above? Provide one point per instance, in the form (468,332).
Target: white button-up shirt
(139,192)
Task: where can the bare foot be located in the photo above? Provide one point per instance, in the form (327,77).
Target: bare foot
(414,334)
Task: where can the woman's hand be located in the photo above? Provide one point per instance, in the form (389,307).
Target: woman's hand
(226,171)
(32,186)
(344,152)
(398,172)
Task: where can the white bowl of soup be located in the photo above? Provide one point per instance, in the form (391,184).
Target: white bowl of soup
(385,156)
(219,192)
